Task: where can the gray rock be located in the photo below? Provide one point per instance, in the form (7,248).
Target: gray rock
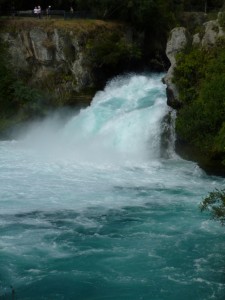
(41,53)
(210,33)
(179,38)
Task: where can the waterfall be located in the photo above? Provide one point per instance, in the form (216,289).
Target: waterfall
(124,121)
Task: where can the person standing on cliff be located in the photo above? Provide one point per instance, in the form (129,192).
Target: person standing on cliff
(48,11)
(35,11)
(71,12)
(39,12)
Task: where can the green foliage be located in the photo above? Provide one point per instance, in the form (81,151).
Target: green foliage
(200,78)
(6,81)
(17,100)
(212,95)
(219,146)
(189,73)
(192,127)
(111,49)
(215,204)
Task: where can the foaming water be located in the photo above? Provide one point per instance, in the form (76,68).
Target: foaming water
(91,210)
(122,124)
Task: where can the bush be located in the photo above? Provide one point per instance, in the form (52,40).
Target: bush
(219,147)
(189,73)
(200,78)
(215,204)
(111,50)
(17,100)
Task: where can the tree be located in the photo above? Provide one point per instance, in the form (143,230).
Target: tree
(215,204)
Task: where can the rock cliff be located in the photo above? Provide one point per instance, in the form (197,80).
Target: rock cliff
(54,55)
(210,32)
(198,73)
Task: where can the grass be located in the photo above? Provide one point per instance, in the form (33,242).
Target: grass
(76,25)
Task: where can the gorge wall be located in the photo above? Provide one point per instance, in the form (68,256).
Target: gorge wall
(195,88)
(180,37)
(60,56)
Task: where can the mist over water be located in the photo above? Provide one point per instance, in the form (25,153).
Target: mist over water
(94,208)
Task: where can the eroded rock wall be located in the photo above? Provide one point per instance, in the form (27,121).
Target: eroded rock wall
(55,55)
(210,32)
(41,54)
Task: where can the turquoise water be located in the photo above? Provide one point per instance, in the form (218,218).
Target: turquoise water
(92,209)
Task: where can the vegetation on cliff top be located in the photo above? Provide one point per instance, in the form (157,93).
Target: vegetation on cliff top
(77,25)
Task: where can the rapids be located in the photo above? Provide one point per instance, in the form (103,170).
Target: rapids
(94,208)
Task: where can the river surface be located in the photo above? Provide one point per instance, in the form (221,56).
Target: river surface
(96,208)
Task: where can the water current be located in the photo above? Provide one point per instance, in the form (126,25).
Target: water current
(95,209)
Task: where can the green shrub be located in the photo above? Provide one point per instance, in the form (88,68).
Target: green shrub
(189,73)
(215,204)
(221,19)
(200,78)
(18,101)
(111,49)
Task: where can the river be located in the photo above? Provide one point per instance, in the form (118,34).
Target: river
(96,208)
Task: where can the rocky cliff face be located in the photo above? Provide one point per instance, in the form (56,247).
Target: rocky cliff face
(199,75)
(42,53)
(179,38)
(55,56)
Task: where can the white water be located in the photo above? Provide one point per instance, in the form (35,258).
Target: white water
(91,210)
